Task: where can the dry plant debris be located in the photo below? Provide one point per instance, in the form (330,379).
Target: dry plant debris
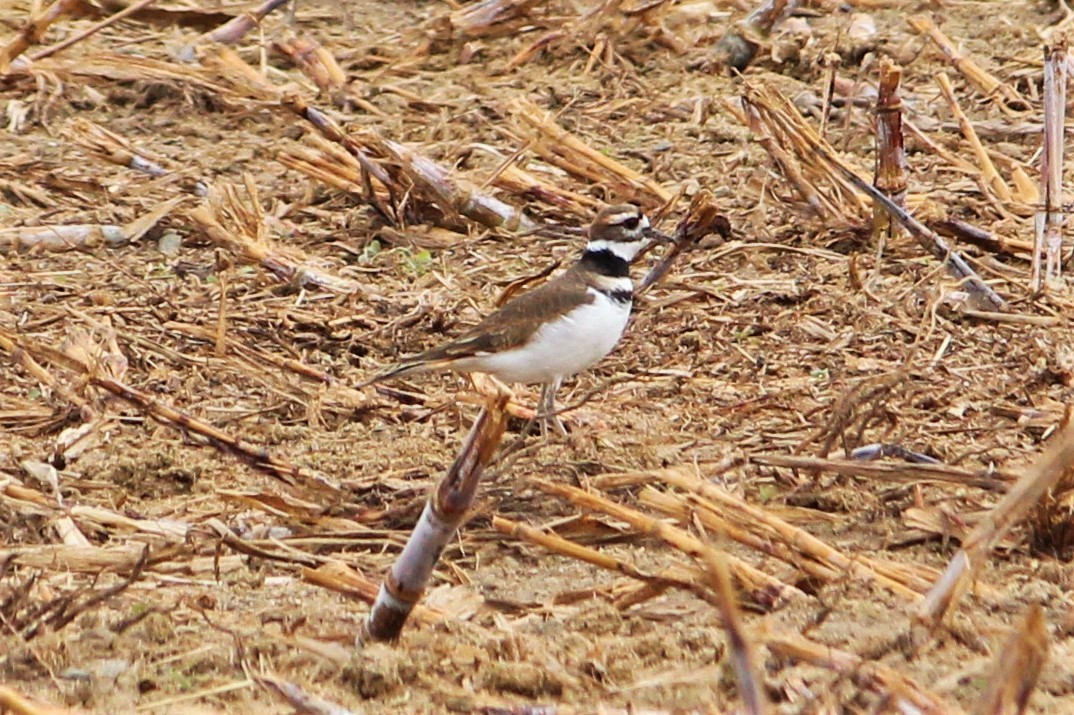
(215,219)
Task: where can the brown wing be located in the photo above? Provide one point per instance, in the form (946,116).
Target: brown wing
(513,324)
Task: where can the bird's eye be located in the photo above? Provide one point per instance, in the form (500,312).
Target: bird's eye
(632,223)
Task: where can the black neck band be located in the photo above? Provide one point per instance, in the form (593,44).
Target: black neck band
(604,262)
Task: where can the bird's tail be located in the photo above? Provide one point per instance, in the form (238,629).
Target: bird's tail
(407,367)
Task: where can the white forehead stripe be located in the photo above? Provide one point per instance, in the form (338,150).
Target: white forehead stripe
(620,220)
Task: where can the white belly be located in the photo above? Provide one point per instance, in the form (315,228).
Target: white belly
(568,345)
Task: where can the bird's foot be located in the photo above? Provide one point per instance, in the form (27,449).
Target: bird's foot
(552,423)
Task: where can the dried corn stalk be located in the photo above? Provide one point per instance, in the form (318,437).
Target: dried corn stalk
(83,236)
(35,28)
(15,345)
(520,182)
(702,218)
(235,29)
(1043,474)
(236,222)
(787,131)
(60,238)
(443,513)
(559,147)
(762,588)
(992,183)
(794,144)
(314,60)
(1017,667)
(890,176)
(985,83)
(899,692)
(452,193)
(118,150)
(487,17)
(1049,222)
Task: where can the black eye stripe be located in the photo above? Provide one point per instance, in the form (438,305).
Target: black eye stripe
(632,222)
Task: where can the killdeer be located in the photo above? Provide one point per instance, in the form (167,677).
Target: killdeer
(558,329)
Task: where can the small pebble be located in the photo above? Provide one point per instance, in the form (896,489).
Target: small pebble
(170,243)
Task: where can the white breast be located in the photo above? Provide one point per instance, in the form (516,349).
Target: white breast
(567,345)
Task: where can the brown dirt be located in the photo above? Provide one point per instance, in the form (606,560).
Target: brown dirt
(758,345)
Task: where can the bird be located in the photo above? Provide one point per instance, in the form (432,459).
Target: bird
(558,329)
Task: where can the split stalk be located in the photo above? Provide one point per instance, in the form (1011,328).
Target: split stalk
(443,513)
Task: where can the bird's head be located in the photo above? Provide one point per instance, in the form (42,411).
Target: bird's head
(624,230)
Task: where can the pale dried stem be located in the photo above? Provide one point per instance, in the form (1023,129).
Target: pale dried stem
(983,296)
(787,129)
(313,60)
(42,375)
(338,576)
(60,238)
(821,205)
(687,508)
(439,521)
(245,80)
(303,702)
(985,83)
(1025,190)
(513,179)
(890,176)
(131,68)
(527,53)
(940,150)
(78,559)
(1017,667)
(168,415)
(172,530)
(320,65)
(35,28)
(903,472)
(992,181)
(743,655)
(450,192)
(332,167)
(762,587)
(897,578)
(235,222)
(521,182)
(118,150)
(253,84)
(1049,222)
(691,580)
(983,239)
(13,702)
(905,695)
(558,146)
(235,29)
(487,17)
(1040,476)
(74,237)
(94,29)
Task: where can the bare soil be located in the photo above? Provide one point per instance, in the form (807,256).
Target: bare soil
(791,337)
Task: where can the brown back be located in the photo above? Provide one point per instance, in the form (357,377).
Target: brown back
(512,325)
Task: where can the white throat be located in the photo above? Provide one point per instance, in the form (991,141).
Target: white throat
(627,250)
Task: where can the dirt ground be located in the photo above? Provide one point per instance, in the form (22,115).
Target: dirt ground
(796,336)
